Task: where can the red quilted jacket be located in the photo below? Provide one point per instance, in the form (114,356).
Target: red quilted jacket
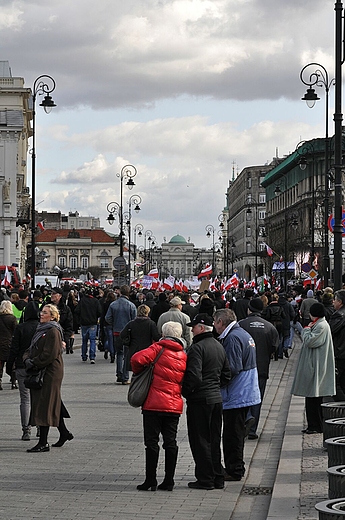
(165,391)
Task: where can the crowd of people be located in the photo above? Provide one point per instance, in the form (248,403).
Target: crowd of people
(213,352)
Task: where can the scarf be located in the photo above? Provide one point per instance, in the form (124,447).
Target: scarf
(42,329)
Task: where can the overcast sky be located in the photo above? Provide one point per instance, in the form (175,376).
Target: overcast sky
(184,90)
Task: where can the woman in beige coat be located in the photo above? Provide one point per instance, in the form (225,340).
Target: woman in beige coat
(45,351)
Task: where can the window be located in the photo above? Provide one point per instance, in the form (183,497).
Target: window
(62,262)
(84,262)
(248,248)
(249,181)
(262,198)
(73,262)
(262,214)
(104,263)
(249,231)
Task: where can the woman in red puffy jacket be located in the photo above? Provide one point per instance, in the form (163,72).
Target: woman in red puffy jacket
(163,405)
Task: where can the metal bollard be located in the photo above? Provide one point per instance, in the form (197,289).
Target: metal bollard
(336,451)
(336,482)
(331,509)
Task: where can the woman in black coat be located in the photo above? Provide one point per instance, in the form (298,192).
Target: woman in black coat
(8,324)
(20,343)
(139,333)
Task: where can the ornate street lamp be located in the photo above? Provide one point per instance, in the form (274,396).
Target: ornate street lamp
(43,85)
(127,172)
(315,74)
(210,231)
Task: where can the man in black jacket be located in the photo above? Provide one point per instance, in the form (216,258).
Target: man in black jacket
(207,370)
(240,306)
(88,311)
(66,318)
(266,339)
(337,325)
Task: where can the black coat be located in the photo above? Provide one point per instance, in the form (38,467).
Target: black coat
(88,311)
(240,308)
(207,370)
(337,324)
(66,319)
(20,343)
(266,339)
(159,309)
(143,332)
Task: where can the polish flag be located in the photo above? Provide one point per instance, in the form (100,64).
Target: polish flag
(232,282)
(185,288)
(205,272)
(6,282)
(269,250)
(154,273)
(178,285)
(40,225)
(168,283)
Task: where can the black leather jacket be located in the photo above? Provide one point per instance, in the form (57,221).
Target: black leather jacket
(207,370)
(337,324)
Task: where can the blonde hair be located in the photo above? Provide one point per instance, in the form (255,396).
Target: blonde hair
(6,307)
(54,312)
(143,310)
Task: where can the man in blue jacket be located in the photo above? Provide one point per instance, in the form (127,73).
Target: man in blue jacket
(119,313)
(242,391)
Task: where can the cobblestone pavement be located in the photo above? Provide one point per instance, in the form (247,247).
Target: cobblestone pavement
(95,475)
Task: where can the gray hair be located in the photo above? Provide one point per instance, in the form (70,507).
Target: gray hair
(226,315)
(172,329)
(6,307)
(208,328)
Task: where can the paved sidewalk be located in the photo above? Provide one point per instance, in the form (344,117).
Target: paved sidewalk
(95,475)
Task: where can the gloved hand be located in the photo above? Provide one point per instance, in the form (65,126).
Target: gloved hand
(28,363)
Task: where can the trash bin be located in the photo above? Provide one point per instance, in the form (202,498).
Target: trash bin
(336,451)
(336,481)
(331,509)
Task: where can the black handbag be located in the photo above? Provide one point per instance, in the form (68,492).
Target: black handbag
(34,378)
(140,384)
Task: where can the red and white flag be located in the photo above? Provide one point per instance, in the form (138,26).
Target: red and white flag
(185,287)
(206,272)
(178,285)
(269,250)
(40,225)
(6,282)
(168,283)
(233,282)
(154,273)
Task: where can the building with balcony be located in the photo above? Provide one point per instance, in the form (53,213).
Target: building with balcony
(15,130)
(246,231)
(181,259)
(76,252)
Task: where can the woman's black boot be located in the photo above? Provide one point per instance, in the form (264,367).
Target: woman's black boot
(151,469)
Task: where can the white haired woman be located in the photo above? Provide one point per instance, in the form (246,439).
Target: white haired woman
(45,351)
(8,323)
(163,405)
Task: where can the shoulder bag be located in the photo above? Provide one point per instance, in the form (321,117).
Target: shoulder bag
(140,384)
(34,378)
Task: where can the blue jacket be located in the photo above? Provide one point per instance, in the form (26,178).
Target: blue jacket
(243,389)
(120,312)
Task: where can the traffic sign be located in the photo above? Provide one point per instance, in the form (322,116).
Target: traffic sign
(306,267)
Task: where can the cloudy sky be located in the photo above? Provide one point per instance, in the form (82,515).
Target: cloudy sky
(185,90)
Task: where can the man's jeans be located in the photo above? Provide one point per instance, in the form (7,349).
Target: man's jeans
(122,372)
(88,332)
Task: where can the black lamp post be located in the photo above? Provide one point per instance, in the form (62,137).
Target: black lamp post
(133,200)
(252,202)
(147,236)
(114,208)
(338,152)
(210,230)
(43,85)
(312,75)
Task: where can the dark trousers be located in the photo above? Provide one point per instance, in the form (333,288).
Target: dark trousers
(313,412)
(204,422)
(154,425)
(256,409)
(340,379)
(234,432)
